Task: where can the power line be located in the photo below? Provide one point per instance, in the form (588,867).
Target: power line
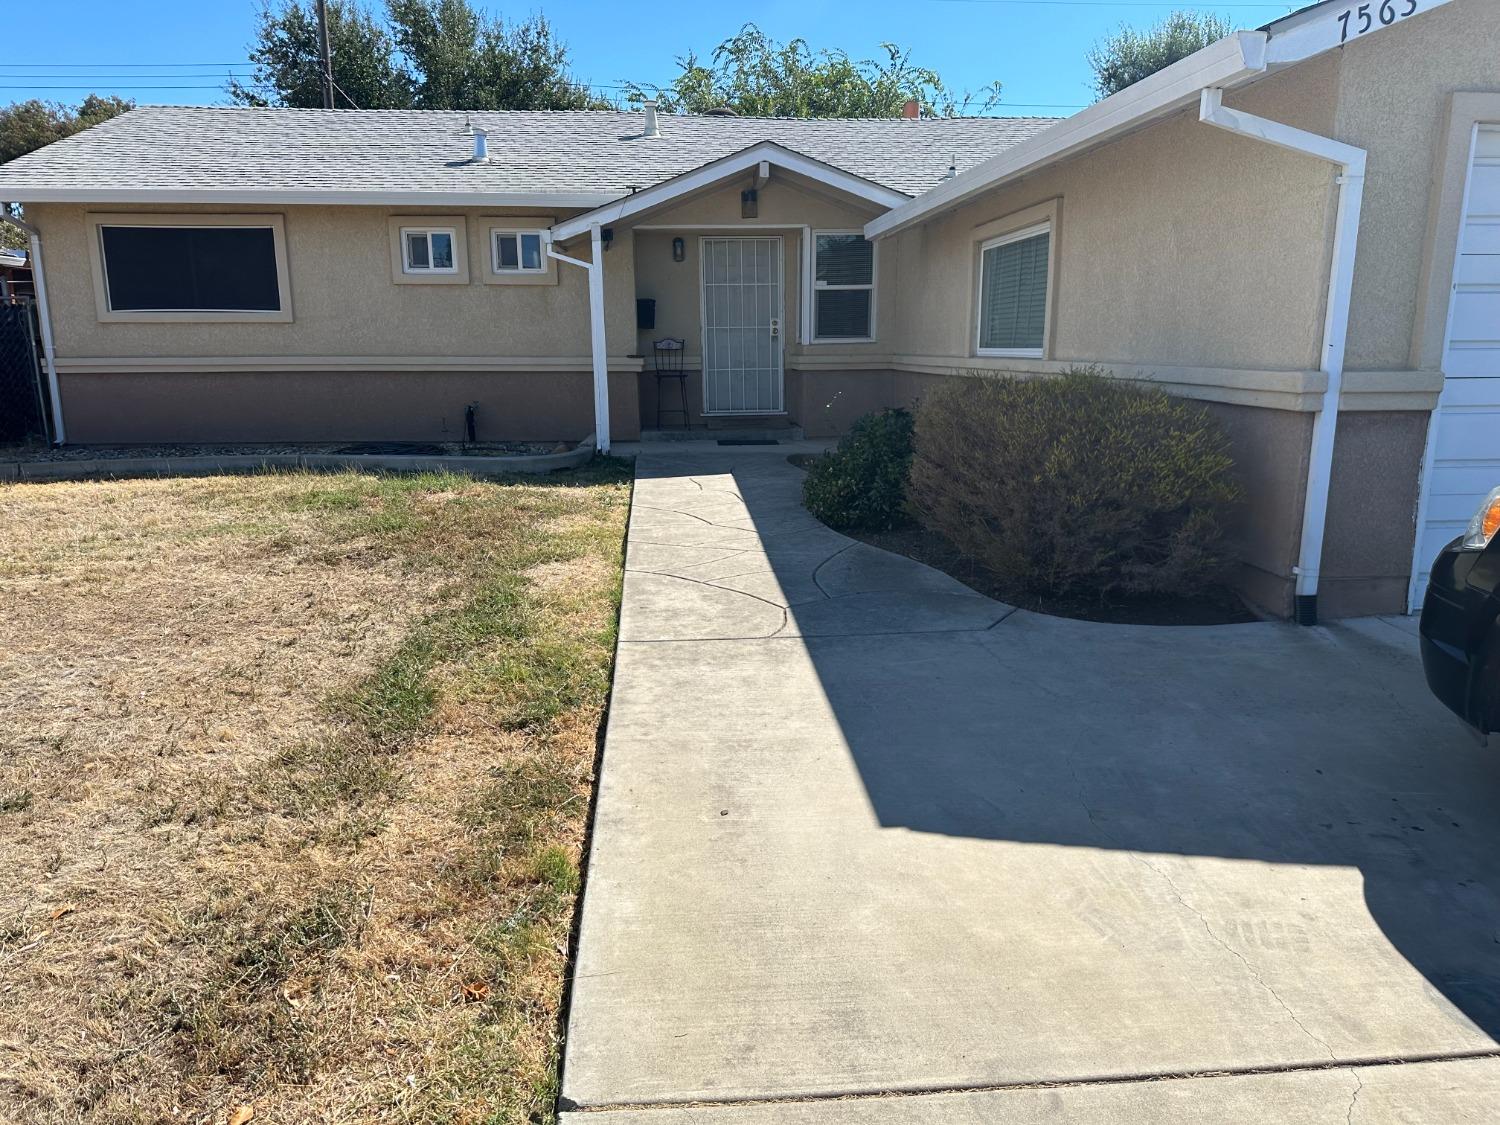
(132,77)
(92,66)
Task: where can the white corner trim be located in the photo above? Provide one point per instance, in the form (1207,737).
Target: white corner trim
(1230,61)
(707,175)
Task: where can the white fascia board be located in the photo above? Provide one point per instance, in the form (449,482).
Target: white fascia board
(1323,27)
(718,170)
(229,196)
(1232,60)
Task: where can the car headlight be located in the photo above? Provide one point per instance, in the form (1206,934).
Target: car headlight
(1485,523)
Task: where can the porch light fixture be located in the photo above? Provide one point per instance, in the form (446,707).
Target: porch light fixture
(679,250)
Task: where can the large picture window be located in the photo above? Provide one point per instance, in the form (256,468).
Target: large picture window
(190,269)
(1013,293)
(843,286)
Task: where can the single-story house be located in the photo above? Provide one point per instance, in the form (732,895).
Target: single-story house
(1298,226)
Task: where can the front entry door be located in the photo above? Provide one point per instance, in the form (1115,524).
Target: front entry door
(742,326)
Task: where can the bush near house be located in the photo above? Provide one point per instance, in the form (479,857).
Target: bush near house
(1075,486)
(861,485)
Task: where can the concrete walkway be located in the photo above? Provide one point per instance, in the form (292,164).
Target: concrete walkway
(861,830)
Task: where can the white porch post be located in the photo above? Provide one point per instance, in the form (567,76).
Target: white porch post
(598,338)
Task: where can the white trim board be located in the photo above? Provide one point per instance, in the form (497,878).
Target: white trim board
(715,172)
(1233,61)
(21,193)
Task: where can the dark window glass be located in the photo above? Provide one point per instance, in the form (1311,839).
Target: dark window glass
(1013,295)
(843,314)
(531,251)
(845,259)
(188,269)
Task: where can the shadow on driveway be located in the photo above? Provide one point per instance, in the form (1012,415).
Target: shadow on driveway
(862,828)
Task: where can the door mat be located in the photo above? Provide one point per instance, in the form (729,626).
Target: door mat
(748,441)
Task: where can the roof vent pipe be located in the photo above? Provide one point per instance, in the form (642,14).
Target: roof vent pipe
(481,147)
(652,129)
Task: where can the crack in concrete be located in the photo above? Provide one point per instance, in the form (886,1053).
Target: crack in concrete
(1250,968)
(1359,1084)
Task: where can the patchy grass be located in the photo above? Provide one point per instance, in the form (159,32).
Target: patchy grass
(294,774)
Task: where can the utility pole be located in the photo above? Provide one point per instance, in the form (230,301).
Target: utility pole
(325,56)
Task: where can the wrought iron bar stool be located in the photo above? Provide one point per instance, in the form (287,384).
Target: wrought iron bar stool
(667,355)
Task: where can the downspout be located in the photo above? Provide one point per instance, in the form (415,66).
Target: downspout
(597,335)
(1350,162)
(49,353)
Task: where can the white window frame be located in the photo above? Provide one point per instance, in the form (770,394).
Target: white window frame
(497,233)
(1002,240)
(107,315)
(423,271)
(814,285)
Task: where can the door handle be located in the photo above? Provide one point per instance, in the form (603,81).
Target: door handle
(775,327)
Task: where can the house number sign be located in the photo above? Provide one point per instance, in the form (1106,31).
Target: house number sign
(1357,21)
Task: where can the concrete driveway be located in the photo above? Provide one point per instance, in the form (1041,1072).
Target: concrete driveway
(864,832)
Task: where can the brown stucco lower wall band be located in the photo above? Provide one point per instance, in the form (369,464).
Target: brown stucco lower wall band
(258,406)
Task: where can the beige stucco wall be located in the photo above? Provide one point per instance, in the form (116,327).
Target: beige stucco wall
(785,205)
(1394,92)
(1177,245)
(373,405)
(344,300)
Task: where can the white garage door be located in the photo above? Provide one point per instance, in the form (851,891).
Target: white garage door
(1465,443)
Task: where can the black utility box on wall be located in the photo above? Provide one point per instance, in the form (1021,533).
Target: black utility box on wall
(645,312)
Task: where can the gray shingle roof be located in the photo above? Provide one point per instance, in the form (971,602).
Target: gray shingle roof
(588,153)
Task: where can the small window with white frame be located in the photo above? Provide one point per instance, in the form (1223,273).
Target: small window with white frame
(1012,306)
(517,251)
(427,250)
(843,287)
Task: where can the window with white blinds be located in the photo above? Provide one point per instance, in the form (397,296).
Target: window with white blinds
(843,286)
(1013,293)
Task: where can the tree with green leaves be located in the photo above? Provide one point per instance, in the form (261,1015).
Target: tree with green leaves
(1130,55)
(27,126)
(287,67)
(417,54)
(754,75)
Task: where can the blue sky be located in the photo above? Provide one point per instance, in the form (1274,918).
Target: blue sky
(1036,48)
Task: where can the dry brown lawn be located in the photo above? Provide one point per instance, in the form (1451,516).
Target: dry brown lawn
(294,777)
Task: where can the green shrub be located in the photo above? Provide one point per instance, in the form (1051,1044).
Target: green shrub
(1077,485)
(861,485)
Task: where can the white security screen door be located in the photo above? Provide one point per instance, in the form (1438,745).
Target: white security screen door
(742,326)
(1464,446)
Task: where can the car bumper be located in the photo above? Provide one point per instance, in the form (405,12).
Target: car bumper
(1457,618)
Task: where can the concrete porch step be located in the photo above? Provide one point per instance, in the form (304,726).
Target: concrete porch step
(745,433)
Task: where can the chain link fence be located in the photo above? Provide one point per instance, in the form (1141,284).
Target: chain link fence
(23,407)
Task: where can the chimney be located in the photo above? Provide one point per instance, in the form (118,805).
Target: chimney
(911,110)
(481,147)
(651,129)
